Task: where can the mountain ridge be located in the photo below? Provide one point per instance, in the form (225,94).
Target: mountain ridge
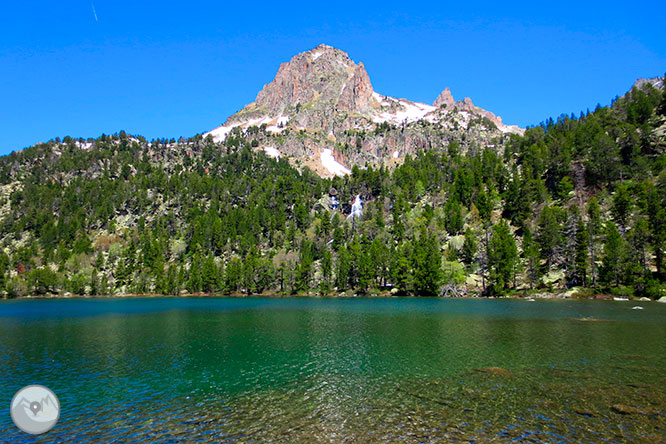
(324,93)
(574,206)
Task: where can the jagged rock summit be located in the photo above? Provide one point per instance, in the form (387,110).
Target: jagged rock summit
(325,96)
(656,82)
(314,82)
(445,98)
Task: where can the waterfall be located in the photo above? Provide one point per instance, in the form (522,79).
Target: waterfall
(357,208)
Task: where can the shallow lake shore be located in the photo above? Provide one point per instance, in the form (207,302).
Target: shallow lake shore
(383,295)
(304,370)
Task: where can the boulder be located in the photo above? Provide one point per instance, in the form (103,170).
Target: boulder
(495,371)
(624,409)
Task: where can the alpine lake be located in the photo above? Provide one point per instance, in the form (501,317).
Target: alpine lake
(307,370)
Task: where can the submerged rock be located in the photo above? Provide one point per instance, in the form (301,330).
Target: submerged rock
(624,409)
(497,371)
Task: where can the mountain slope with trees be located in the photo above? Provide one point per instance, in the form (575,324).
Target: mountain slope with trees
(576,204)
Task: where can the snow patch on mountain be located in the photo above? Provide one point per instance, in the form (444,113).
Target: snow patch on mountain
(220,133)
(331,164)
(272,152)
(400,110)
(275,125)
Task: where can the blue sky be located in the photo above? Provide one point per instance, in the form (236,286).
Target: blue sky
(170,69)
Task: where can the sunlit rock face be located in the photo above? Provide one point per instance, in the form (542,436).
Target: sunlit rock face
(320,111)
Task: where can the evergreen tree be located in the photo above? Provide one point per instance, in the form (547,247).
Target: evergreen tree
(483,204)
(172,286)
(581,254)
(379,260)
(326,271)
(638,274)
(613,256)
(426,264)
(470,246)
(264,275)
(549,236)
(195,278)
(342,269)
(453,217)
(530,257)
(210,275)
(594,230)
(622,205)
(603,163)
(502,257)
(233,275)
(401,273)
(304,272)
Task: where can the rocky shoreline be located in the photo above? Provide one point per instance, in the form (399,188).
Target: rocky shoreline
(385,295)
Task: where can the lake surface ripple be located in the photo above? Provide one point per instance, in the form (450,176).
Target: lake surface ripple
(339,370)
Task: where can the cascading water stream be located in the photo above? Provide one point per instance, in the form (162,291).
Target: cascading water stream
(357,208)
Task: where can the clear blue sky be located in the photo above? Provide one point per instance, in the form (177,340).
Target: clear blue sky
(166,69)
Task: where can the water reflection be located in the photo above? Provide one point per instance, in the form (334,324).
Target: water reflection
(340,370)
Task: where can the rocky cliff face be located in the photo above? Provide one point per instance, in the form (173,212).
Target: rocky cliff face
(321,81)
(321,106)
(445,98)
(656,82)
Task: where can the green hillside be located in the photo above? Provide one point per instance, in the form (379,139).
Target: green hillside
(577,204)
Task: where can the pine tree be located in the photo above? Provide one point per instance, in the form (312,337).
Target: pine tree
(611,271)
(594,230)
(326,271)
(530,257)
(453,217)
(264,274)
(581,254)
(603,163)
(401,275)
(470,246)
(426,264)
(342,269)
(638,273)
(657,216)
(172,286)
(233,275)
(622,203)
(304,271)
(379,260)
(210,279)
(502,257)
(549,236)
(195,279)
(365,271)
(483,204)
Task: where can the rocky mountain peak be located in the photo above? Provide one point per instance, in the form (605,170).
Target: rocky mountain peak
(466,104)
(320,111)
(444,98)
(323,78)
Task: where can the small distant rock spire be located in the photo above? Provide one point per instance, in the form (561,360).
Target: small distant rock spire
(445,98)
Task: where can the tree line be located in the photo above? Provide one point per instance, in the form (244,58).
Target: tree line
(575,202)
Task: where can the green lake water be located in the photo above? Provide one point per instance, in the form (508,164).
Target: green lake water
(338,370)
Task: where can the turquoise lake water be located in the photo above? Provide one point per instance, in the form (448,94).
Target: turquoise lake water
(338,370)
